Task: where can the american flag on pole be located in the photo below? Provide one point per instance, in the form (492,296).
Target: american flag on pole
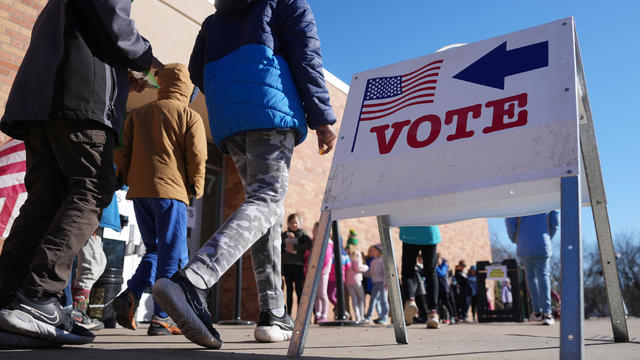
(12,190)
(384,96)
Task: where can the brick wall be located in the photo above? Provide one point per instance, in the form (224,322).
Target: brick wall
(16,21)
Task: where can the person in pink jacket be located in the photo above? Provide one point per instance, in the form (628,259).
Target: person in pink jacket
(322,298)
(353,282)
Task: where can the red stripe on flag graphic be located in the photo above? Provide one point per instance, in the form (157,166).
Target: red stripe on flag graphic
(12,168)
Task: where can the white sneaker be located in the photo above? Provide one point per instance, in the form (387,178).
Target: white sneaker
(547,319)
(433,321)
(272,328)
(410,311)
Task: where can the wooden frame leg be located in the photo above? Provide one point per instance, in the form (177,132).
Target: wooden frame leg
(314,271)
(393,281)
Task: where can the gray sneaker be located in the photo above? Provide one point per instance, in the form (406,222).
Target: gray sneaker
(85,321)
(44,319)
(184,303)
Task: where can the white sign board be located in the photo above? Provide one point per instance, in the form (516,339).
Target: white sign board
(485,129)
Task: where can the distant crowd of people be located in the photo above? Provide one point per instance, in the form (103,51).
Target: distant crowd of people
(434,292)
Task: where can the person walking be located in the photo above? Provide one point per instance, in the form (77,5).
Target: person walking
(533,235)
(295,242)
(66,103)
(420,240)
(260,66)
(162,160)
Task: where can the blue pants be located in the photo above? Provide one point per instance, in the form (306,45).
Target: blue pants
(163,226)
(379,301)
(537,271)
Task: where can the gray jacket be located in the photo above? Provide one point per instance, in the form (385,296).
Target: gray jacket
(76,65)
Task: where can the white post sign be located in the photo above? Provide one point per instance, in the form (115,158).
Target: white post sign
(485,129)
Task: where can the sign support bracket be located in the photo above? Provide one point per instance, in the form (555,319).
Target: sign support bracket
(597,196)
(309,291)
(572,313)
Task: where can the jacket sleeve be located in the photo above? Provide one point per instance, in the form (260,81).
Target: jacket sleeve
(196,153)
(553,223)
(196,61)
(511,224)
(122,156)
(301,49)
(110,22)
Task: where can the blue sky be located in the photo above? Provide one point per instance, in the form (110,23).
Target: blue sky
(360,35)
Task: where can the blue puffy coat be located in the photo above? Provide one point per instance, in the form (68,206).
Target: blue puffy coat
(533,233)
(259,65)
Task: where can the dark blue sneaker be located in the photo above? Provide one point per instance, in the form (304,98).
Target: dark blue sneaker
(185,304)
(43,318)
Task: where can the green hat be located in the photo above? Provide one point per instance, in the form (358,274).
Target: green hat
(352,233)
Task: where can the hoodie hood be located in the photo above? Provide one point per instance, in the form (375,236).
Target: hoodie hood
(174,83)
(231,6)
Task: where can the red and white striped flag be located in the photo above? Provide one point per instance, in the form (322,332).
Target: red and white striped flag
(12,190)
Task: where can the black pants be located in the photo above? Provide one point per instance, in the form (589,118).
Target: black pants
(444,300)
(69,179)
(293,276)
(410,276)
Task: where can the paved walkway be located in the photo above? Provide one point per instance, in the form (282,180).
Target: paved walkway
(465,341)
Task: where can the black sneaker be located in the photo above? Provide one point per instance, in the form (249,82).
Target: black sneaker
(185,304)
(125,306)
(272,328)
(43,318)
(85,321)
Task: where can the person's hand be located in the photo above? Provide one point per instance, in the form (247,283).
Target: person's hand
(137,85)
(290,235)
(326,139)
(157,66)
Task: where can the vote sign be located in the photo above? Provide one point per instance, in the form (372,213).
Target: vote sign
(485,129)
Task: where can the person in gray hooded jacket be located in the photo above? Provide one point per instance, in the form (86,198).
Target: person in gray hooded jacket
(67,103)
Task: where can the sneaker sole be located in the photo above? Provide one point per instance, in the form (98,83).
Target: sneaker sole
(92,327)
(171,299)
(271,334)
(10,341)
(433,324)
(409,313)
(19,322)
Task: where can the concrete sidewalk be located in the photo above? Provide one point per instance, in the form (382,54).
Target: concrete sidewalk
(464,341)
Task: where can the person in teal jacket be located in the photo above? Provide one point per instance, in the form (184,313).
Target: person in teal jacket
(420,240)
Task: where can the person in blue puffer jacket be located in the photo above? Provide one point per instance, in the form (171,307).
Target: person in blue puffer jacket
(533,236)
(259,65)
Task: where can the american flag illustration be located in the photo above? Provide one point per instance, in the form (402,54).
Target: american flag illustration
(384,96)
(12,190)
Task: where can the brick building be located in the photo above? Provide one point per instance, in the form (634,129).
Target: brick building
(171,26)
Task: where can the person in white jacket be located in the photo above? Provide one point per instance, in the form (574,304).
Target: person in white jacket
(353,282)
(379,290)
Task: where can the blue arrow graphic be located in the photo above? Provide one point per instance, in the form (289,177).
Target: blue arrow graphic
(491,69)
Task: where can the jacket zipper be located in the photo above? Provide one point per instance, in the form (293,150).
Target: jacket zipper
(111,113)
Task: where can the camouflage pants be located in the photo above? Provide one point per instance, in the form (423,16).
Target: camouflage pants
(262,159)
